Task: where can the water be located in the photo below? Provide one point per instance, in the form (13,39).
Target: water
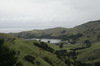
(51,40)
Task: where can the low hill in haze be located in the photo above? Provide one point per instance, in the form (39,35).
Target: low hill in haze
(88,31)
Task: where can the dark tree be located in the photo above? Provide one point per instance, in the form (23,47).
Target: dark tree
(47,60)
(19,64)
(88,43)
(44,46)
(38,63)
(98,37)
(48,41)
(7,56)
(61,45)
(97,64)
(30,58)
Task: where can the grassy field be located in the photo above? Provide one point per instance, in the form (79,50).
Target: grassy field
(27,47)
(90,55)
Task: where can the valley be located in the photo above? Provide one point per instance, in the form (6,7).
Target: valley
(79,46)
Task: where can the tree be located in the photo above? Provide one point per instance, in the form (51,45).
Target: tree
(19,64)
(98,37)
(88,43)
(48,41)
(30,58)
(7,56)
(61,45)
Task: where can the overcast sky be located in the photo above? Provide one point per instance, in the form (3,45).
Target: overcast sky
(48,13)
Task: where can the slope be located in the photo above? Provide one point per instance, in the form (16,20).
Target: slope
(88,31)
(90,55)
(30,55)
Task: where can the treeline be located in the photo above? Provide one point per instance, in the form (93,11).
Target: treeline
(49,36)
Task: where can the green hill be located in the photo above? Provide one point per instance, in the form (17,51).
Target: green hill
(36,53)
(82,47)
(47,33)
(88,31)
(29,54)
(90,55)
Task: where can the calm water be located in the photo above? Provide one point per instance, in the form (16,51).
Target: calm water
(51,40)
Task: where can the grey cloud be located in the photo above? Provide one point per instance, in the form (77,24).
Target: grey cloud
(47,13)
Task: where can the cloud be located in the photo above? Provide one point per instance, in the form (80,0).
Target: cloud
(49,13)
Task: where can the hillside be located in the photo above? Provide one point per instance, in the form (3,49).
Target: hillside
(47,33)
(82,49)
(90,55)
(26,49)
(88,31)
(36,53)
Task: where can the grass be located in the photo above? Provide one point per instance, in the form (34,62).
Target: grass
(27,47)
(93,51)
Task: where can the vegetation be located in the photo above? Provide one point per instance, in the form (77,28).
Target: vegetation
(80,46)
(7,56)
(78,34)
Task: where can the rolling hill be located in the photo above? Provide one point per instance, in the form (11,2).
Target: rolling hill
(36,53)
(90,55)
(30,55)
(88,31)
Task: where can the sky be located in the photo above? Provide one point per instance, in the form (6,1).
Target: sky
(47,13)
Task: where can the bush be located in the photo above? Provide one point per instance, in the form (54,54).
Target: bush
(47,60)
(44,46)
(88,43)
(7,56)
(19,64)
(97,64)
(61,54)
(38,63)
(29,58)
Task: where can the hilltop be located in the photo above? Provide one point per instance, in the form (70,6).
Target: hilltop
(88,31)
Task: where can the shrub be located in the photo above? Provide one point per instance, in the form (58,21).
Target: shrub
(38,63)
(19,64)
(88,43)
(97,64)
(7,56)
(47,60)
(29,58)
(44,46)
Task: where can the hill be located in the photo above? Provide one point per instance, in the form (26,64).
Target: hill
(47,33)
(83,48)
(88,31)
(37,53)
(90,55)
(31,55)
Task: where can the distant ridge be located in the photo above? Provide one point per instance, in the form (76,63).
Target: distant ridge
(90,30)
